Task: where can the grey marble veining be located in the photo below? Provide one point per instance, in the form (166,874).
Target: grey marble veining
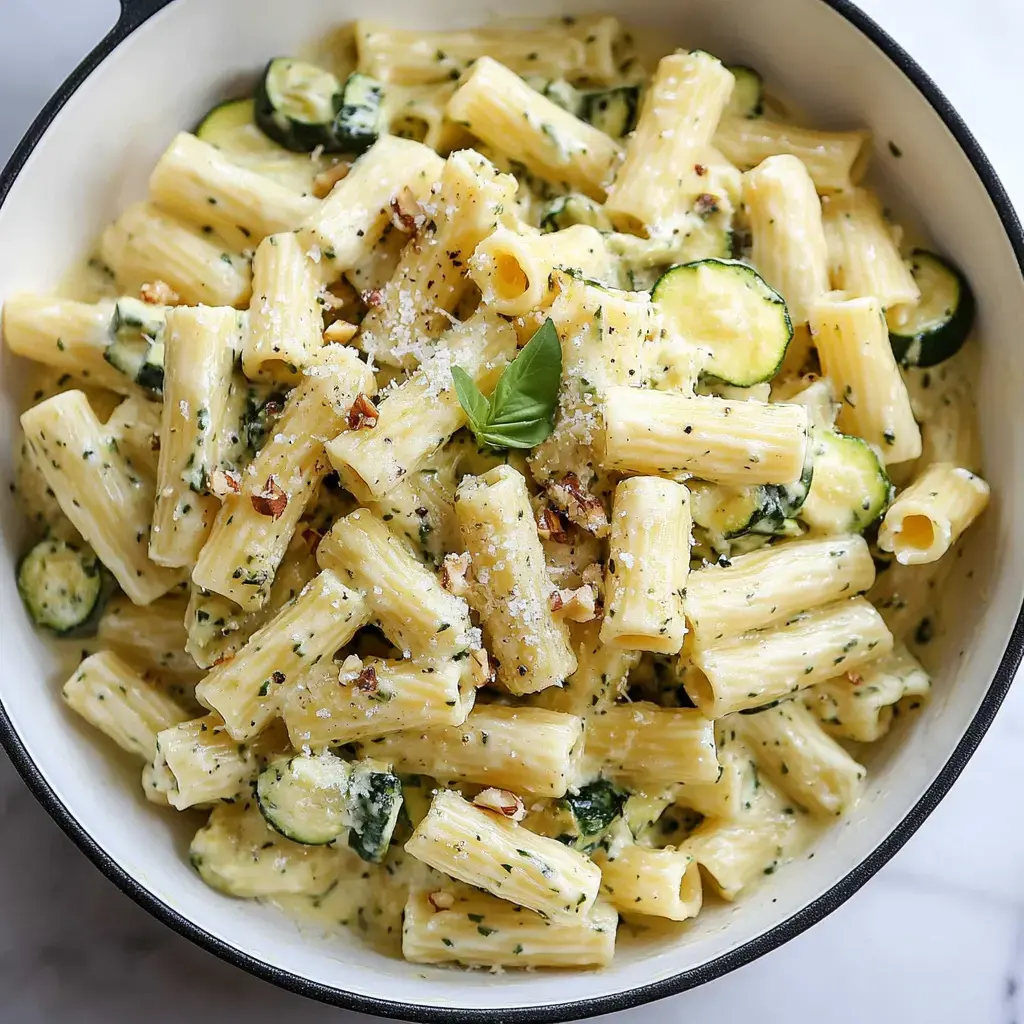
(936,937)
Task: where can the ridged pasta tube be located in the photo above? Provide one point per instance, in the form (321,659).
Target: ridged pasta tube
(658,433)
(756,668)
(927,518)
(498,855)
(512,589)
(648,562)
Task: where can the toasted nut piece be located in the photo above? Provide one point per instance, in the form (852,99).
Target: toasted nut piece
(441,900)
(341,331)
(551,525)
(482,668)
(224,482)
(366,681)
(502,802)
(328,178)
(271,501)
(406,212)
(454,572)
(579,605)
(583,508)
(159,293)
(363,415)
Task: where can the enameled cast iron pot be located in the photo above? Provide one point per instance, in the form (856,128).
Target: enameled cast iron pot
(90,151)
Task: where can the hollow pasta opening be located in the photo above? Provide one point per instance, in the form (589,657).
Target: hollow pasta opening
(917,532)
(510,280)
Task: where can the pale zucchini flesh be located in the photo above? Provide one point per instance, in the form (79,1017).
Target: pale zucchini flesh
(728,309)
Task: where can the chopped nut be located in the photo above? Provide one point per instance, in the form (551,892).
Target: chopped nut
(594,576)
(700,170)
(705,204)
(363,414)
(855,677)
(340,331)
(454,570)
(406,212)
(441,900)
(312,539)
(581,507)
(328,178)
(159,293)
(366,681)
(224,482)
(502,802)
(271,501)
(552,526)
(373,297)
(579,605)
(482,667)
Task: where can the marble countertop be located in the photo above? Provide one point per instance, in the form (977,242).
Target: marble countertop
(936,936)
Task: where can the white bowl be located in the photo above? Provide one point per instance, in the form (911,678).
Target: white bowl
(91,150)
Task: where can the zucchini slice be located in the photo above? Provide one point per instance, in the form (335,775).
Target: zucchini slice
(612,111)
(726,307)
(231,128)
(561,93)
(359,122)
(305,797)
(937,327)
(375,798)
(567,211)
(297,103)
(224,120)
(850,489)
(62,587)
(237,853)
(134,318)
(595,806)
(141,360)
(747,99)
(136,347)
(728,512)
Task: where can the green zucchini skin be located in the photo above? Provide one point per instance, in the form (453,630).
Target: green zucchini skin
(226,116)
(358,125)
(939,326)
(595,806)
(375,800)
(690,297)
(283,119)
(136,345)
(305,797)
(64,587)
(612,111)
(850,489)
(567,211)
(747,98)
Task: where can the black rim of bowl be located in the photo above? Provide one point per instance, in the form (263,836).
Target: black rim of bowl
(134,13)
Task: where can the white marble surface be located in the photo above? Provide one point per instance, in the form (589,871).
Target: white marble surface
(937,936)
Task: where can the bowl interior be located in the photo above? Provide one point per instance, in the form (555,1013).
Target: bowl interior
(96,157)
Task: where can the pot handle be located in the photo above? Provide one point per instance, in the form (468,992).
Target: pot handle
(135,12)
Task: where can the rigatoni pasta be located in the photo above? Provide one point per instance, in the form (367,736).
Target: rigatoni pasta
(469,492)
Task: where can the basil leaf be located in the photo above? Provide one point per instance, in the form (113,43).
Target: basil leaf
(527,392)
(477,407)
(521,412)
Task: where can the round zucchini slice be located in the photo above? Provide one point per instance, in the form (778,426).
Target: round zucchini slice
(729,512)
(62,586)
(374,802)
(359,123)
(297,103)
(727,308)
(850,488)
(747,99)
(937,327)
(224,120)
(305,797)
